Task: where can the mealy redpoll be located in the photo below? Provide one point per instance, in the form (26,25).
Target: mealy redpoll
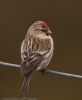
(36,51)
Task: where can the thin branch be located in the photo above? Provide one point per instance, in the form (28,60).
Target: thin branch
(53,73)
(9,64)
(47,72)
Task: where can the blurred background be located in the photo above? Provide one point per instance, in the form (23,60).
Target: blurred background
(64,18)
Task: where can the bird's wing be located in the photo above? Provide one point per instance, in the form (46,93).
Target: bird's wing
(33,51)
(33,47)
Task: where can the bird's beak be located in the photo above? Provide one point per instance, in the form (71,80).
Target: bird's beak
(49,32)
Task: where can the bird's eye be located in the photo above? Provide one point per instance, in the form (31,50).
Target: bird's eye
(44,30)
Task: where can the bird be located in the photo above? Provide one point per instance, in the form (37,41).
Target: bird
(36,52)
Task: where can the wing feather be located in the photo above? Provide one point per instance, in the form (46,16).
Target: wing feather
(32,46)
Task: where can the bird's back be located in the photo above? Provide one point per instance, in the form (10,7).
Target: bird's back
(33,44)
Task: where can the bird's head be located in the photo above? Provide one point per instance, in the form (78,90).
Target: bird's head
(39,27)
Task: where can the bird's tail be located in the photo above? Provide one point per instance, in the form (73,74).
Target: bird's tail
(25,85)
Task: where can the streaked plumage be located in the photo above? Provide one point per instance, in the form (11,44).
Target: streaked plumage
(36,51)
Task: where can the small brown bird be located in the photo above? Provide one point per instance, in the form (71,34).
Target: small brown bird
(36,51)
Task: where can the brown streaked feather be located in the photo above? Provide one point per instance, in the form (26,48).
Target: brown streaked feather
(33,51)
(33,44)
(27,71)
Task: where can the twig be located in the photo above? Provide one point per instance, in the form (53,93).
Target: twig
(47,72)
(53,73)
(9,64)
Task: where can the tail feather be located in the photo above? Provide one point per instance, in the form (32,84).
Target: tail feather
(25,85)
